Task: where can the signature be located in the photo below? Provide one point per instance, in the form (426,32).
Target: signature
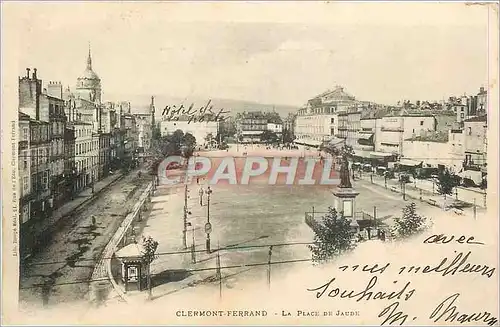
(202,114)
(445,311)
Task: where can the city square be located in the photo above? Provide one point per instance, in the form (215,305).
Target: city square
(231,171)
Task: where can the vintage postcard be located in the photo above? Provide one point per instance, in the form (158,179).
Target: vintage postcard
(250,163)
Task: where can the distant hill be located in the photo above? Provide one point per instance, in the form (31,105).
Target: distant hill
(140,104)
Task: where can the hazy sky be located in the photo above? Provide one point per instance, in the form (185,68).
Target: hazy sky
(281,53)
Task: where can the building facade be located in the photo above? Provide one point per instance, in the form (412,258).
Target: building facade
(250,126)
(475,148)
(324,117)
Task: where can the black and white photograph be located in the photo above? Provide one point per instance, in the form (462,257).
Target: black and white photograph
(250,163)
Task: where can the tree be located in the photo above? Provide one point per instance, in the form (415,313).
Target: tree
(333,236)
(288,136)
(188,145)
(410,223)
(268,137)
(446,182)
(176,138)
(149,255)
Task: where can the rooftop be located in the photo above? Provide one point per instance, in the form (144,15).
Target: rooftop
(439,137)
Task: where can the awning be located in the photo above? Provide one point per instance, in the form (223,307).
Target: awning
(475,176)
(361,153)
(409,163)
(376,154)
(335,141)
(308,142)
(366,139)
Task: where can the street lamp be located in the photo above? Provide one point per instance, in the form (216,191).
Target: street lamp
(208,226)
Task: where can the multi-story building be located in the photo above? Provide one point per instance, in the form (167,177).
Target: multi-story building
(395,129)
(144,125)
(129,127)
(104,155)
(482,102)
(475,148)
(40,146)
(324,117)
(250,126)
(70,172)
(53,102)
(24,185)
(46,109)
(84,155)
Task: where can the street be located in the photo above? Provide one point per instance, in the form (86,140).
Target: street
(58,273)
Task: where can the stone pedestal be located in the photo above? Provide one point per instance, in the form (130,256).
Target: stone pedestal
(344,202)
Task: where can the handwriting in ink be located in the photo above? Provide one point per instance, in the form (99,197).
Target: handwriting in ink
(450,313)
(392,316)
(204,113)
(458,265)
(366,294)
(367,268)
(444,239)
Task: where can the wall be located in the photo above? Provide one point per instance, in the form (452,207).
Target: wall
(457,149)
(315,127)
(431,153)
(199,129)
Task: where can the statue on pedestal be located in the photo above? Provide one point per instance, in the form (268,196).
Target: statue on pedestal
(345,181)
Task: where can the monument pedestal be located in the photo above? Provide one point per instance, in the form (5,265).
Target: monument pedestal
(345,203)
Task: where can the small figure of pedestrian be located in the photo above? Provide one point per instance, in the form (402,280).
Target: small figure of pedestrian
(93,220)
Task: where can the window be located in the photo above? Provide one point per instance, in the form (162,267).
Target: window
(25,159)
(25,214)
(25,134)
(25,185)
(469,131)
(332,120)
(45,180)
(33,183)
(421,123)
(462,115)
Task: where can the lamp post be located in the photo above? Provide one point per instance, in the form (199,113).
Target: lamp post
(208,226)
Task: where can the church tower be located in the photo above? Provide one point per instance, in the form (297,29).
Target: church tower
(88,86)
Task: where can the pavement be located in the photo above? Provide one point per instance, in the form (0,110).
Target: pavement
(60,270)
(81,199)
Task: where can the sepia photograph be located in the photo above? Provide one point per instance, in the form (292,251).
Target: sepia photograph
(250,163)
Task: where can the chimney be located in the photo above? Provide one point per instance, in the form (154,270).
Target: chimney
(55,90)
(27,72)
(34,73)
